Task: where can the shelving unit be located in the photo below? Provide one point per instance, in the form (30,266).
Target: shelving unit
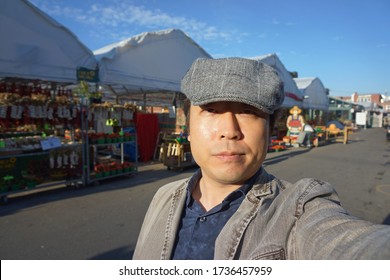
(25,172)
(111,158)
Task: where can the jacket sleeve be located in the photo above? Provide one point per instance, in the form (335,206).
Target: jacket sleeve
(324,229)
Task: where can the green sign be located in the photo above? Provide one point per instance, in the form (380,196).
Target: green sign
(88,75)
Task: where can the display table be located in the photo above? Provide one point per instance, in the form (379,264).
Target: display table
(331,134)
(339,135)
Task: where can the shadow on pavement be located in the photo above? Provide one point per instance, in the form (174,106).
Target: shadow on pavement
(45,195)
(273,159)
(122,253)
(387,220)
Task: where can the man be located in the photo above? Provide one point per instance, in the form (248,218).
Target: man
(231,208)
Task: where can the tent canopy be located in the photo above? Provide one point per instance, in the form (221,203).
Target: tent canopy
(35,46)
(151,62)
(293,96)
(315,93)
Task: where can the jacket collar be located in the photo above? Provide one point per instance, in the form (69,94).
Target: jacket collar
(262,185)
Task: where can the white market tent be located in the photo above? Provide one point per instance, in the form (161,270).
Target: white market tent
(316,97)
(151,63)
(293,96)
(35,46)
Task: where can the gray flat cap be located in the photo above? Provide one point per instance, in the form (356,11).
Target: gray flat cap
(233,79)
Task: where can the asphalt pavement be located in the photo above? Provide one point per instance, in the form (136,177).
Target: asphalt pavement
(102,221)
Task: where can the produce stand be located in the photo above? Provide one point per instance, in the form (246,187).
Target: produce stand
(49,136)
(331,134)
(338,135)
(107,156)
(42,137)
(176,153)
(40,144)
(105,151)
(36,170)
(323,135)
(276,146)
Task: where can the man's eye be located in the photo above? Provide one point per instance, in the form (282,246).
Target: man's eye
(209,109)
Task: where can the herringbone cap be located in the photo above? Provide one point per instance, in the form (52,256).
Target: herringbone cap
(233,79)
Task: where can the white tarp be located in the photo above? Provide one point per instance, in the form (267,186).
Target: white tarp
(148,62)
(35,46)
(293,96)
(314,92)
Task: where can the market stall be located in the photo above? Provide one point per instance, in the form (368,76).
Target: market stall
(41,120)
(146,70)
(40,139)
(111,143)
(316,101)
(50,137)
(148,67)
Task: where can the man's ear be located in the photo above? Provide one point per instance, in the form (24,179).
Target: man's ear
(189,137)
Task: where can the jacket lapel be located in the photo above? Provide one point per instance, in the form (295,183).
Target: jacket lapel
(229,239)
(173,221)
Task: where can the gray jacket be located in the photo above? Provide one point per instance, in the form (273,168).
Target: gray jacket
(276,220)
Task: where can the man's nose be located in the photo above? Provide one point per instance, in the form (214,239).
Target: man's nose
(229,127)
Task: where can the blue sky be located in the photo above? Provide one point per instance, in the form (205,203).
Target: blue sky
(345,43)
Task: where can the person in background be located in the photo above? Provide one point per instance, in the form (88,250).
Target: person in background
(231,208)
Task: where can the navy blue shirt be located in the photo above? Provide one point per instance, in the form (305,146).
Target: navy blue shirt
(199,229)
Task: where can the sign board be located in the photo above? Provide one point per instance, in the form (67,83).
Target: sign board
(50,143)
(361,118)
(88,75)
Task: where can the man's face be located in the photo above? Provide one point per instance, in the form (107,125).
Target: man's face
(229,140)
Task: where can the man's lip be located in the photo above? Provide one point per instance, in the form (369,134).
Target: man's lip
(229,154)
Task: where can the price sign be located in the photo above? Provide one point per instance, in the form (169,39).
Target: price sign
(50,143)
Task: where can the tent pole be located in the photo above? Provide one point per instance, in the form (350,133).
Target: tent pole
(114,92)
(144,106)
